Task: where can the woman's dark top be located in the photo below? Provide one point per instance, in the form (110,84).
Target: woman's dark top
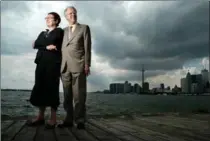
(47,74)
(55,37)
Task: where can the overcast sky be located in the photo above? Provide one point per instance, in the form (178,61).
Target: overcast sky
(169,38)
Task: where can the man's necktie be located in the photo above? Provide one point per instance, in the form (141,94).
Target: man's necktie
(70,31)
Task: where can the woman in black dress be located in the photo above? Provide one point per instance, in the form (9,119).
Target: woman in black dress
(47,74)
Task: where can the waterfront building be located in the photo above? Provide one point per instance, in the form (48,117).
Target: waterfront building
(136,88)
(184,85)
(146,87)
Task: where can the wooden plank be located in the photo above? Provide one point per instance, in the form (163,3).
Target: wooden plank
(26,134)
(171,130)
(12,131)
(45,134)
(6,124)
(178,122)
(196,125)
(63,134)
(167,128)
(143,132)
(82,135)
(100,134)
(125,136)
(204,117)
(201,117)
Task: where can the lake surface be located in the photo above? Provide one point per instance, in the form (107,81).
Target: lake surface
(14,104)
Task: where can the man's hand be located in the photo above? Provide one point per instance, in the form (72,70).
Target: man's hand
(51,47)
(87,70)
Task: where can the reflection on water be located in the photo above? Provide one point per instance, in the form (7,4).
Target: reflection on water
(15,104)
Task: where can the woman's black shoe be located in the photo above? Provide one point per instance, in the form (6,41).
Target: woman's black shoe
(35,123)
(49,126)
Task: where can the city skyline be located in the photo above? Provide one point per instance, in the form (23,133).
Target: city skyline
(162,82)
(129,34)
(190,83)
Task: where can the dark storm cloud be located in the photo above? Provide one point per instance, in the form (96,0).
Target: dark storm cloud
(13,40)
(100,81)
(161,35)
(137,75)
(11,43)
(96,78)
(20,8)
(165,40)
(149,64)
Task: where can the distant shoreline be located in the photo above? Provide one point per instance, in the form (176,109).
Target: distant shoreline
(110,116)
(99,92)
(15,90)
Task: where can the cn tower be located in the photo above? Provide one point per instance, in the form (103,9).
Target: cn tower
(142,77)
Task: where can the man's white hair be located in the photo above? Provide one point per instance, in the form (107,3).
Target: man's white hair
(69,7)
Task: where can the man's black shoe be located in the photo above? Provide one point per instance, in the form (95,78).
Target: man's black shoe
(35,123)
(65,124)
(49,126)
(80,126)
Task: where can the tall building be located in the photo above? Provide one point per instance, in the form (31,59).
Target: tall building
(126,87)
(143,70)
(196,80)
(116,88)
(195,88)
(205,76)
(132,89)
(168,88)
(184,85)
(162,87)
(193,83)
(112,88)
(120,88)
(146,87)
(209,66)
(129,88)
(188,82)
(137,88)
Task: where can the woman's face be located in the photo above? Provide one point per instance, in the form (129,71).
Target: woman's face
(50,21)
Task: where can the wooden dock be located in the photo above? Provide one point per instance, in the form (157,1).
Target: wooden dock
(194,127)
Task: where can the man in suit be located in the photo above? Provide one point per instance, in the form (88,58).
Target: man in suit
(75,67)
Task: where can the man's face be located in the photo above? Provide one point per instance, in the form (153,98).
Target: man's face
(50,21)
(71,15)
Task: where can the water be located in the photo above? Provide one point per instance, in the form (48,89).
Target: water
(14,104)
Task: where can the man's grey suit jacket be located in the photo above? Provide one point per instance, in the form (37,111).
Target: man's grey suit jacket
(76,50)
